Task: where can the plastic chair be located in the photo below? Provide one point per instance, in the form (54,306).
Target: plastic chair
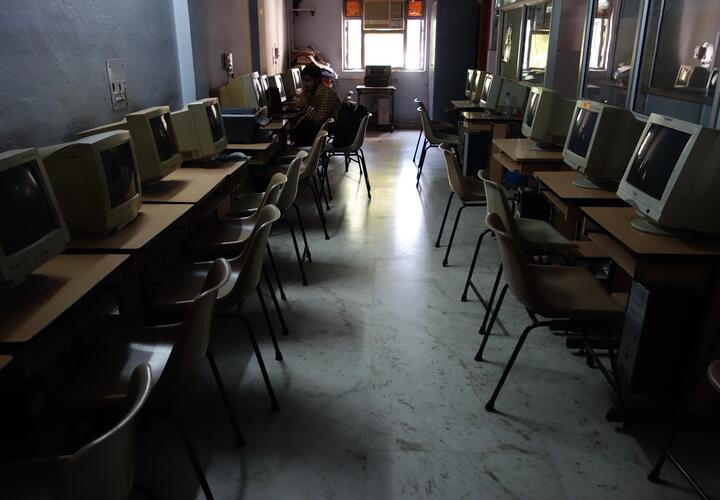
(470,192)
(569,297)
(103,468)
(309,176)
(351,153)
(434,139)
(713,377)
(534,237)
(438,126)
(173,351)
(175,295)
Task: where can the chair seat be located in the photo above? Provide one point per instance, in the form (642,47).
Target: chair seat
(174,295)
(538,234)
(572,292)
(473,190)
(442,137)
(224,238)
(441,126)
(246,203)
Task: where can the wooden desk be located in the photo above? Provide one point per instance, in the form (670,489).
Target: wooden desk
(567,199)
(516,156)
(152,220)
(71,278)
(191,185)
(477,130)
(260,152)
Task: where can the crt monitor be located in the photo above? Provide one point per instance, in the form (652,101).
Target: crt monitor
(496,91)
(673,177)
(153,139)
(599,142)
(292,82)
(264,83)
(199,130)
(547,117)
(477,85)
(32,228)
(276,82)
(96,181)
(469,82)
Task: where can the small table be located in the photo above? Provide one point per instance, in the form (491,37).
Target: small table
(152,220)
(388,92)
(567,199)
(260,152)
(516,155)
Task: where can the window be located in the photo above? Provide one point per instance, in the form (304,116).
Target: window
(384,32)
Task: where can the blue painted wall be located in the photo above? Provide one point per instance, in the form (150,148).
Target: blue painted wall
(53,81)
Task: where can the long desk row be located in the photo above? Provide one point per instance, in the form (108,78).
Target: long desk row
(89,261)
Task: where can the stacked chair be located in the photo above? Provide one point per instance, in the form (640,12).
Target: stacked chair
(352,153)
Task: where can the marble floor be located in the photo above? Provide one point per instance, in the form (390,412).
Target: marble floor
(380,396)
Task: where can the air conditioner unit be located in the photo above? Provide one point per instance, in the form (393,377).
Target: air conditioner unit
(385,15)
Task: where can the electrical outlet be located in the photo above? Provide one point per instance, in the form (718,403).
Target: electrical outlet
(117,80)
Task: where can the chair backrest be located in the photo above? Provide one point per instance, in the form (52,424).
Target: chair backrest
(426,127)
(290,189)
(248,266)
(497,203)
(326,125)
(311,160)
(192,336)
(515,265)
(361,131)
(272,192)
(105,467)
(458,182)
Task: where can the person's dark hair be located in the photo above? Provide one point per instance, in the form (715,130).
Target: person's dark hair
(311,71)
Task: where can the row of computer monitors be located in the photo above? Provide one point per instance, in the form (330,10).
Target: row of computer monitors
(667,169)
(93,185)
(252,89)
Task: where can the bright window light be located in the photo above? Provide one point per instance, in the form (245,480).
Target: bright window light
(384,49)
(415,52)
(353,44)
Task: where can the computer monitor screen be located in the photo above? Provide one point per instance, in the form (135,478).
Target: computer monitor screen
(659,152)
(27,215)
(532,108)
(163,135)
(213,114)
(486,87)
(470,82)
(119,168)
(582,131)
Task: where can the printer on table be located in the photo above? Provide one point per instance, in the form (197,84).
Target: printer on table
(242,125)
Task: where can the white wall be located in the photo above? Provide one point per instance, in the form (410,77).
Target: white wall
(323,31)
(272,27)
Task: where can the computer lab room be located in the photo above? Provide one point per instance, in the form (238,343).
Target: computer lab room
(359,249)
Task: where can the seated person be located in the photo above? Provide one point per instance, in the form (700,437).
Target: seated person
(318,101)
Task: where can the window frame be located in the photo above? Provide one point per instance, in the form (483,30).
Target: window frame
(404,31)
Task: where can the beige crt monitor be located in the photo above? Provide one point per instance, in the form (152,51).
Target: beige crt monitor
(153,139)
(673,177)
(200,130)
(292,80)
(477,85)
(547,117)
(470,82)
(276,82)
(495,90)
(32,228)
(600,141)
(96,181)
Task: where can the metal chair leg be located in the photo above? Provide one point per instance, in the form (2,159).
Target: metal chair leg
(469,282)
(491,300)
(297,251)
(326,178)
(320,189)
(347,162)
(417,146)
(239,439)
(193,458)
(490,406)
(363,168)
(275,271)
(276,304)
(442,225)
(271,330)
(306,251)
(452,234)
(486,333)
(421,163)
(321,213)
(258,355)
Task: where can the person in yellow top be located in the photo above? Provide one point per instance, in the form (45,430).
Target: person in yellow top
(318,101)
